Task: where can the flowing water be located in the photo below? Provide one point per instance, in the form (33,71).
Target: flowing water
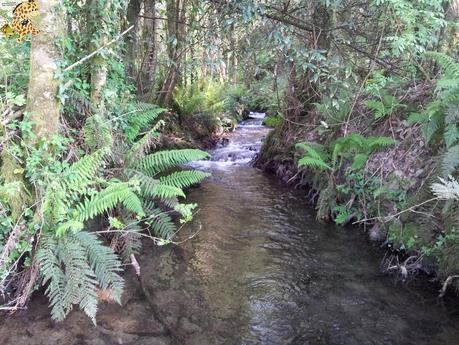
(260,270)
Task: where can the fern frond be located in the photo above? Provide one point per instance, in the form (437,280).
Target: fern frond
(104,262)
(435,123)
(359,161)
(142,146)
(313,163)
(83,172)
(163,160)
(379,143)
(449,64)
(74,267)
(131,239)
(97,132)
(315,150)
(451,135)
(162,192)
(184,179)
(450,161)
(55,205)
(144,115)
(114,194)
(161,223)
(81,283)
(52,273)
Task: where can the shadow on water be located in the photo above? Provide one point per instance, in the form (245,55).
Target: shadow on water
(261,271)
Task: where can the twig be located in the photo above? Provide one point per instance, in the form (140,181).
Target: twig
(98,50)
(397,214)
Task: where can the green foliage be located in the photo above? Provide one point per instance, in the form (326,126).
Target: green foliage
(145,115)
(384,107)
(353,146)
(316,156)
(160,161)
(76,267)
(273,121)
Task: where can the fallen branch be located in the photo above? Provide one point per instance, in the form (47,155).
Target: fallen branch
(390,217)
(445,285)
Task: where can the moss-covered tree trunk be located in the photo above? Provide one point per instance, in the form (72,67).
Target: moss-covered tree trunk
(42,104)
(99,68)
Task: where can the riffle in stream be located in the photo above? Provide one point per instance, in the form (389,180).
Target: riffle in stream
(261,271)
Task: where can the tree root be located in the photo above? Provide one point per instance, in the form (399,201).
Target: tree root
(445,285)
(407,268)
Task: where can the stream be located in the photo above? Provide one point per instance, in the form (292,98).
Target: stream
(260,271)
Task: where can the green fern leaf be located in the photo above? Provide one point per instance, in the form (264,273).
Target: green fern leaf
(450,161)
(359,161)
(184,179)
(163,160)
(162,224)
(313,163)
(162,191)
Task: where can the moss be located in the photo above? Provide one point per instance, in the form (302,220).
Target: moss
(11,171)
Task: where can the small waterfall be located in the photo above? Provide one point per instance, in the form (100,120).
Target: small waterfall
(239,147)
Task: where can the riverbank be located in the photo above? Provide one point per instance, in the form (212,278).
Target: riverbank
(389,194)
(259,270)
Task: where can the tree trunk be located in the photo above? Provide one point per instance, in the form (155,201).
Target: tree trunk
(42,103)
(132,52)
(176,17)
(99,68)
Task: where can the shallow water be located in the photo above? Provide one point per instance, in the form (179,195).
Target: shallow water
(261,270)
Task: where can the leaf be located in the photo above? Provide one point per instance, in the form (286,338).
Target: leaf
(360,160)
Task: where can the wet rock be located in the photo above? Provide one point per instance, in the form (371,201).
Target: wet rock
(153,341)
(188,327)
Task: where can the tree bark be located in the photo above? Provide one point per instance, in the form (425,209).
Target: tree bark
(42,103)
(176,15)
(133,12)
(99,68)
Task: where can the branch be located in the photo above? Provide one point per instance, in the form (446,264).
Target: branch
(98,50)
(445,285)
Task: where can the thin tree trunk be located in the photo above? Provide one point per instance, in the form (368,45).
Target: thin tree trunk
(42,103)
(99,68)
(176,15)
(132,51)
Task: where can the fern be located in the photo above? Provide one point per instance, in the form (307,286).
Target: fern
(162,224)
(76,266)
(114,194)
(140,118)
(83,172)
(131,240)
(97,133)
(359,161)
(316,157)
(141,147)
(379,143)
(449,65)
(450,161)
(383,107)
(184,179)
(163,160)
(104,262)
(313,163)
(162,191)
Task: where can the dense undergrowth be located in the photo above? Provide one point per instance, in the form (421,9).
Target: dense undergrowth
(386,160)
